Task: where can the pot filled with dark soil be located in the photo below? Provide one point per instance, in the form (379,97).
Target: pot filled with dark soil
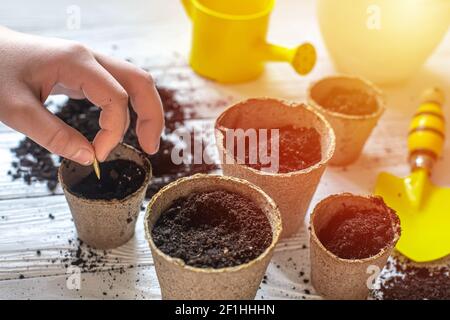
(105,210)
(211,237)
(351,238)
(305,145)
(353,107)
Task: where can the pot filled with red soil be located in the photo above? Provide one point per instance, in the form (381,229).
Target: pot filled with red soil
(211,237)
(353,107)
(299,141)
(105,210)
(351,238)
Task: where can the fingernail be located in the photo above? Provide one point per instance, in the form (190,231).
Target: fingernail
(157,146)
(102,158)
(155,149)
(84,157)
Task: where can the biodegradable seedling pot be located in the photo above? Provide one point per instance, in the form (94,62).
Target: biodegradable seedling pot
(180,281)
(337,278)
(104,224)
(291,191)
(352,131)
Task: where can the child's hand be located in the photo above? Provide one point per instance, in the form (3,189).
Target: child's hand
(32,68)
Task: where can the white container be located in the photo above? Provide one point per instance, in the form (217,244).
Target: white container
(386,41)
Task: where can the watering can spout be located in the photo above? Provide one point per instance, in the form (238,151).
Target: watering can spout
(187,4)
(302,58)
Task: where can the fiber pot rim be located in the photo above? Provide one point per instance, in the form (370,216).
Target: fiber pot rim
(148,175)
(395,226)
(328,128)
(378,96)
(199,176)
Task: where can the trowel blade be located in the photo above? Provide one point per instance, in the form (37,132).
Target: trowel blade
(425,225)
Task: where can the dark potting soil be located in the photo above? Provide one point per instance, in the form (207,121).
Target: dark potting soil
(403,279)
(35,163)
(349,101)
(213,229)
(91,260)
(119,178)
(299,148)
(353,233)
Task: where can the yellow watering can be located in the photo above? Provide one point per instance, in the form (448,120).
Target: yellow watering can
(228,40)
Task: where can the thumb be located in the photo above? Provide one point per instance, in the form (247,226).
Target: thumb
(32,119)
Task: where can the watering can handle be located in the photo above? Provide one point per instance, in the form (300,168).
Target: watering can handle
(302,58)
(427,131)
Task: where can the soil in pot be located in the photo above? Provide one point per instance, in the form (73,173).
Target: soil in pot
(214,229)
(349,101)
(119,178)
(354,233)
(299,148)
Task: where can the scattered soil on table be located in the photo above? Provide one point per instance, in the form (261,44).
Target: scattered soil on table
(354,233)
(299,148)
(89,259)
(215,229)
(349,101)
(119,178)
(403,279)
(35,163)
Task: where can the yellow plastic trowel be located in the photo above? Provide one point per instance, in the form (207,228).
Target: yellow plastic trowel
(423,208)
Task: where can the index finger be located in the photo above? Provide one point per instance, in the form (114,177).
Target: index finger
(102,89)
(144,99)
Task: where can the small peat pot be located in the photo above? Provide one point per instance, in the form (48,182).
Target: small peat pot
(353,107)
(305,145)
(105,210)
(351,239)
(211,237)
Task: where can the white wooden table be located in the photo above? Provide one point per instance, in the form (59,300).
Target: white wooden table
(157,34)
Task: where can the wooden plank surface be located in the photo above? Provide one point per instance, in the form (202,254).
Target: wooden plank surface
(35,248)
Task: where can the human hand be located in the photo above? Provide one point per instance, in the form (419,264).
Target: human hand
(32,68)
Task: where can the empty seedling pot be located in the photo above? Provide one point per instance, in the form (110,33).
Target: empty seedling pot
(178,278)
(351,239)
(293,190)
(105,211)
(353,107)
